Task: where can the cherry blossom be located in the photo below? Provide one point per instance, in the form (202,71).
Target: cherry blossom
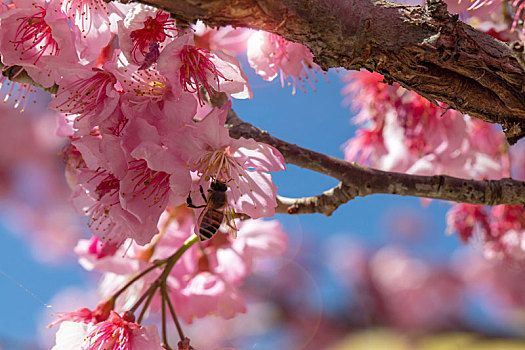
(116,333)
(190,67)
(85,315)
(501,230)
(466,219)
(243,164)
(270,54)
(33,36)
(143,32)
(92,94)
(404,132)
(231,40)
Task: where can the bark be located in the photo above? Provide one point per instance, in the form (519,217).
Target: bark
(425,49)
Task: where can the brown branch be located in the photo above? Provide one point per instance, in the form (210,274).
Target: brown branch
(361,181)
(425,49)
(325,203)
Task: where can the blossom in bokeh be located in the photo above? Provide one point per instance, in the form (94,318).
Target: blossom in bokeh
(404,132)
(269,54)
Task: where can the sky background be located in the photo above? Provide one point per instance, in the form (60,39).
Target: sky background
(313,120)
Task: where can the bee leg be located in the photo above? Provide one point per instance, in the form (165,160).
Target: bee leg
(203,196)
(189,202)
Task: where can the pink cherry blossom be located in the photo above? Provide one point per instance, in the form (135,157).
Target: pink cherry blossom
(256,239)
(501,230)
(92,94)
(467,219)
(116,333)
(404,132)
(213,271)
(97,193)
(33,36)
(151,95)
(95,254)
(231,40)
(242,164)
(270,54)
(85,315)
(95,23)
(190,68)
(144,29)
(209,293)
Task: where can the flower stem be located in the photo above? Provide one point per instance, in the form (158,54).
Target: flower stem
(172,311)
(163,308)
(150,293)
(136,278)
(147,294)
(176,256)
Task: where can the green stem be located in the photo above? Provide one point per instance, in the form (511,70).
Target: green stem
(170,262)
(176,256)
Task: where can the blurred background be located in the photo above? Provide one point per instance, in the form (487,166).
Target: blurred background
(380,273)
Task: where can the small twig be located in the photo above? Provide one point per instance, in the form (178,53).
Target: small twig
(136,278)
(172,311)
(164,331)
(150,293)
(325,203)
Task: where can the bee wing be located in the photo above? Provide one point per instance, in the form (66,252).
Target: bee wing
(228,224)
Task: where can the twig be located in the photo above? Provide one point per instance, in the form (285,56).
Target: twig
(172,311)
(325,203)
(150,293)
(136,278)
(164,323)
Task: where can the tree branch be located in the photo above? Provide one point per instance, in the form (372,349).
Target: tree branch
(325,203)
(360,181)
(425,49)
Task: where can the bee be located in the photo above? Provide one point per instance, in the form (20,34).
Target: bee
(216,211)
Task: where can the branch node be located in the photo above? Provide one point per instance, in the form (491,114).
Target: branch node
(437,9)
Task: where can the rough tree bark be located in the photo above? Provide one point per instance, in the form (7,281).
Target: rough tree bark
(425,49)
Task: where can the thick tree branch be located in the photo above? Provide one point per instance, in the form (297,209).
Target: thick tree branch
(361,181)
(425,49)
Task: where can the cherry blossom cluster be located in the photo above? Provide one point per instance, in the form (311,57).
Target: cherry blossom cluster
(403,132)
(204,281)
(499,229)
(133,95)
(130,86)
